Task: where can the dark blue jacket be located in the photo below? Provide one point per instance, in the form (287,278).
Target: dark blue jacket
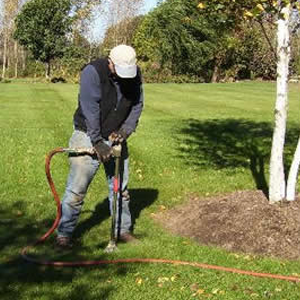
(103,102)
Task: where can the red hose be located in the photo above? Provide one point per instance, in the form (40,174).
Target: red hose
(122,261)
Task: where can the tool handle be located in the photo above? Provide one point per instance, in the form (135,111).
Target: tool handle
(117,149)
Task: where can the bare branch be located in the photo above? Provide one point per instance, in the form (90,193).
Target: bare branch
(267,38)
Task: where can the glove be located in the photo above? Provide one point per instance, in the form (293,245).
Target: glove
(103,151)
(118,137)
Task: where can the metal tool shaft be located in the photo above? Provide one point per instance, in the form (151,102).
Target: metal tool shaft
(117,149)
(112,245)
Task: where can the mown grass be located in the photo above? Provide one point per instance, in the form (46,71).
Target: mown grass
(203,139)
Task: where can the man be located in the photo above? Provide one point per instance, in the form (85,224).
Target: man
(109,107)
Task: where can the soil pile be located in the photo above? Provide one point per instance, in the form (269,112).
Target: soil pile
(243,221)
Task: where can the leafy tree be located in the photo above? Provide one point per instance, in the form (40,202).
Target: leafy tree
(247,55)
(42,27)
(177,36)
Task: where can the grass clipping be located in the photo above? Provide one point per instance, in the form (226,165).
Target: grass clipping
(242,221)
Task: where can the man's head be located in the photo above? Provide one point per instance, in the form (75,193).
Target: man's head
(124,61)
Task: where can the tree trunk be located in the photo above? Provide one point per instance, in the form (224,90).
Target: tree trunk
(23,61)
(293,174)
(35,69)
(16,58)
(4,59)
(8,58)
(277,178)
(48,69)
(216,72)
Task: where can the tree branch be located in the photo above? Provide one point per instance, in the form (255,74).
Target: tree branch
(267,38)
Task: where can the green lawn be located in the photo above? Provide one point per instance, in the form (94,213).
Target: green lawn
(202,138)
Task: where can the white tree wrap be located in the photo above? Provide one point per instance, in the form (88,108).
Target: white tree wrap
(277,177)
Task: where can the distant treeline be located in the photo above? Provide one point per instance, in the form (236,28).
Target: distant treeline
(175,42)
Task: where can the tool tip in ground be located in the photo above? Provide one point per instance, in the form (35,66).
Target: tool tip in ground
(111,247)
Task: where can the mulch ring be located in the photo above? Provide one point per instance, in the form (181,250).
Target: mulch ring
(242,221)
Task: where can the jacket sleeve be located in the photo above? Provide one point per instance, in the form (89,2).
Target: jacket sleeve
(90,97)
(130,124)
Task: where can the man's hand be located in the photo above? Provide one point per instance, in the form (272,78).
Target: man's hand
(103,151)
(118,137)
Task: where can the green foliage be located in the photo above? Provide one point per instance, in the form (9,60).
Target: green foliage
(295,55)
(236,11)
(248,55)
(42,27)
(4,80)
(78,53)
(152,73)
(75,57)
(177,37)
(178,40)
(261,58)
(146,46)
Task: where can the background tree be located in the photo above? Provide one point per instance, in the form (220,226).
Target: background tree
(176,38)
(119,19)
(83,12)
(9,56)
(131,26)
(178,41)
(79,51)
(281,10)
(42,27)
(80,48)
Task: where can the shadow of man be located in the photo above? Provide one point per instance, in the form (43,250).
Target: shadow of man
(145,198)
(140,199)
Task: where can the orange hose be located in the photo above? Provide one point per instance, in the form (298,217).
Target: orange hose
(123,261)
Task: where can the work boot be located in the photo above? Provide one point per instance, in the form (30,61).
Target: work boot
(128,238)
(64,242)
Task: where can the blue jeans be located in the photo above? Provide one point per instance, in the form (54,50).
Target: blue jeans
(82,171)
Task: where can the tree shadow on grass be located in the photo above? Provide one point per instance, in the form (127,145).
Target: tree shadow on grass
(20,279)
(232,143)
(14,225)
(141,199)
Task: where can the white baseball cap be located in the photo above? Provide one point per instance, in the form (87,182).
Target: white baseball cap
(124,59)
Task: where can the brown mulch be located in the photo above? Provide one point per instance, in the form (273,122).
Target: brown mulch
(242,221)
